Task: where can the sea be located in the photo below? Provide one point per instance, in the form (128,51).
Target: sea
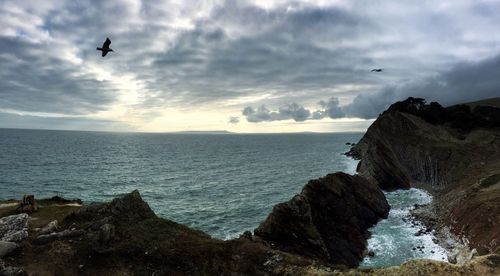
(222,184)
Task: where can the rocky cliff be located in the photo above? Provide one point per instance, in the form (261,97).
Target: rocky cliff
(451,152)
(328,220)
(124,237)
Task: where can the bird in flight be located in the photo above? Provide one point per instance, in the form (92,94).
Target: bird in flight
(105,47)
(377,70)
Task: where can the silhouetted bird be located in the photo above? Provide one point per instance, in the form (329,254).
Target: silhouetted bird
(105,47)
(377,70)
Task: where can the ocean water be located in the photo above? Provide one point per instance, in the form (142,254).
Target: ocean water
(220,184)
(393,240)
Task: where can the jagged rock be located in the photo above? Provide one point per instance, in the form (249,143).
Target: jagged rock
(246,235)
(14,228)
(49,228)
(7,247)
(131,206)
(128,207)
(328,220)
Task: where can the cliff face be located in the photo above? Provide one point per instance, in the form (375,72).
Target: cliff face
(412,144)
(328,220)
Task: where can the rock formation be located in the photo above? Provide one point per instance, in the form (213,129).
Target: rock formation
(14,228)
(451,152)
(328,220)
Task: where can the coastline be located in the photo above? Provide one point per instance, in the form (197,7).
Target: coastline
(321,231)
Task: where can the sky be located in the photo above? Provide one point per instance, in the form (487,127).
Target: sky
(242,66)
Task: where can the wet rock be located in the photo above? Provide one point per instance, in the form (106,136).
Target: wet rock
(328,220)
(7,248)
(49,228)
(14,228)
(371,254)
(246,235)
(461,255)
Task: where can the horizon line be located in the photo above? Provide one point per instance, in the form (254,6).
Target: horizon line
(193,132)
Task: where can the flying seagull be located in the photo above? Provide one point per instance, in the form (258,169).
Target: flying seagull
(105,47)
(377,70)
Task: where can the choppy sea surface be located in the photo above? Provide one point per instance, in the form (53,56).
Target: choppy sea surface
(394,239)
(222,184)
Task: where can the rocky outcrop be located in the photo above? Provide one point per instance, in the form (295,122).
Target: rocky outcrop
(451,152)
(14,228)
(128,207)
(155,246)
(124,237)
(328,220)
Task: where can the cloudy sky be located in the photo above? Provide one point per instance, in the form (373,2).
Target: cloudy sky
(243,66)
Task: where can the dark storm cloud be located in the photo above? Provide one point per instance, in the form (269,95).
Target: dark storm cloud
(330,109)
(192,54)
(9,120)
(277,50)
(463,83)
(36,82)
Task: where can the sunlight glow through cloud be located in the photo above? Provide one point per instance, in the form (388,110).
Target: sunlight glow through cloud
(192,65)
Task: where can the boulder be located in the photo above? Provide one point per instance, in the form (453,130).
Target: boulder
(7,248)
(49,228)
(14,228)
(328,220)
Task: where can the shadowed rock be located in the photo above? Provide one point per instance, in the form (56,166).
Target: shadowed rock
(328,220)
(128,207)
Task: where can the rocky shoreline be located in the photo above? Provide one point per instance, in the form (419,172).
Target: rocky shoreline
(451,153)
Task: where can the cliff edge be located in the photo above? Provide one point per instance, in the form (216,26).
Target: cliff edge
(451,152)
